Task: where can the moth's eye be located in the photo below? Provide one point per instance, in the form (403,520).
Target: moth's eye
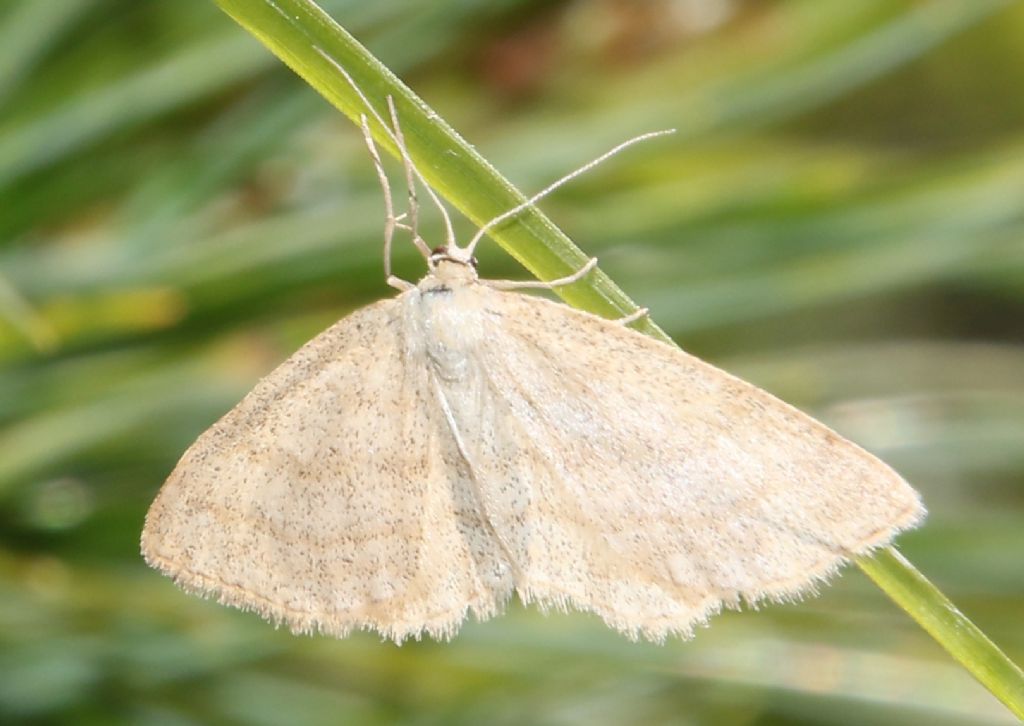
(438,251)
(472,262)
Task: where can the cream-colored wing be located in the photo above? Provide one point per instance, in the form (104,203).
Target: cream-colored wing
(330,498)
(631,479)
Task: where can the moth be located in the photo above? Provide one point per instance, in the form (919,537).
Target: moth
(433,454)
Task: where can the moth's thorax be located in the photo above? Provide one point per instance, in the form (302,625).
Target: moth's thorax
(445,318)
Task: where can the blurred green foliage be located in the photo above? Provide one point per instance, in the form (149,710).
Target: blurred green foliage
(839,220)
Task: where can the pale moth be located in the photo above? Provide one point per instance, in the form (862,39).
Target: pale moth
(432,454)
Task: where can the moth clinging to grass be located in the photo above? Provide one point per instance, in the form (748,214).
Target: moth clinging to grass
(432,454)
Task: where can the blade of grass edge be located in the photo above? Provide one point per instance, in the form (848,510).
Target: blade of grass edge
(300,33)
(941,619)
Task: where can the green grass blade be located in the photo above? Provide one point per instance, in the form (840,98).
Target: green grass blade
(27,31)
(934,612)
(301,35)
(198,72)
(298,31)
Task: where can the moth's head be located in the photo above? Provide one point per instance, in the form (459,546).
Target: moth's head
(451,261)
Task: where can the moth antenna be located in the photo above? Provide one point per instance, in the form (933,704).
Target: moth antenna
(554,185)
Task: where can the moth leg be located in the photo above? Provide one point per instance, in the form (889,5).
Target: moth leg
(633,316)
(540,284)
(390,220)
(411,174)
(410,170)
(399,284)
(410,182)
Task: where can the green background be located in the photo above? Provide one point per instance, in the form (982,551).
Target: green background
(839,219)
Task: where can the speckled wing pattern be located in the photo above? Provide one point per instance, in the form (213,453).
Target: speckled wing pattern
(628,478)
(332,498)
(428,456)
